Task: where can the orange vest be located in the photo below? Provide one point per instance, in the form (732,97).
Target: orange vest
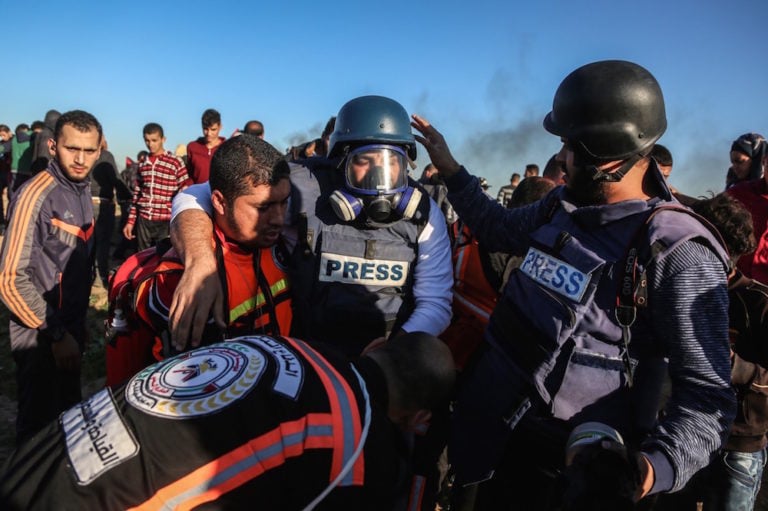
(473,297)
(254,305)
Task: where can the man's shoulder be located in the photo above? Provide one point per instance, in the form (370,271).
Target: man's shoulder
(672,224)
(38,187)
(197,145)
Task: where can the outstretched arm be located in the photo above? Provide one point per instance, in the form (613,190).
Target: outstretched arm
(199,294)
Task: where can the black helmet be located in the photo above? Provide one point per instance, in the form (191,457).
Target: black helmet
(608,110)
(372,120)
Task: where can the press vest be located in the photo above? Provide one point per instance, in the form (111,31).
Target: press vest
(556,318)
(353,281)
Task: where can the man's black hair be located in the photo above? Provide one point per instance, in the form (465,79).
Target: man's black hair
(529,191)
(243,162)
(257,128)
(153,127)
(732,220)
(80,120)
(662,155)
(211,117)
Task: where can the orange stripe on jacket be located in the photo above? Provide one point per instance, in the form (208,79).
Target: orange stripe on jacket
(325,374)
(23,216)
(73,229)
(204,478)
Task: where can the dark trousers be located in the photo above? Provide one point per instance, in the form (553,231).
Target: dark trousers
(124,247)
(149,232)
(102,234)
(44,391)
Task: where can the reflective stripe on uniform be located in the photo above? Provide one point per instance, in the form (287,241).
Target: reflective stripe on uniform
(347,428)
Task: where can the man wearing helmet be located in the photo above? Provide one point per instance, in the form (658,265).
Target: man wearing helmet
(618,286)
(370,253)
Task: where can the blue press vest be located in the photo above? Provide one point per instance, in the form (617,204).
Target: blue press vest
(556,318)
(352,281)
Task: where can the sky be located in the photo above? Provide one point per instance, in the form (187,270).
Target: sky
(483,72)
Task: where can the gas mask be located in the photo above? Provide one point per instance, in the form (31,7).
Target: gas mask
(375,181)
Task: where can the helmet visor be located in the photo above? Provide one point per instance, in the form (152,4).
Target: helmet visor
(377,170)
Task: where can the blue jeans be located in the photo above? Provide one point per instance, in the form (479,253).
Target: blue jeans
(738,479)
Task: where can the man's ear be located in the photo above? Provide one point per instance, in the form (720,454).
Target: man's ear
(218,202)
(52,146)
(418,422)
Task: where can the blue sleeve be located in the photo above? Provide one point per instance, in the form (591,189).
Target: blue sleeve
(433,278)
(688,300)
(499,229)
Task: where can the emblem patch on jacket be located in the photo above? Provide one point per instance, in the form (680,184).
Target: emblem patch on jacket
(197,383)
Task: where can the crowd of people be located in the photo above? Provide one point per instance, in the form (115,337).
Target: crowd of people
(318,328)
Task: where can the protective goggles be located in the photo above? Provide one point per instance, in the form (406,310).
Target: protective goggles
(377,170)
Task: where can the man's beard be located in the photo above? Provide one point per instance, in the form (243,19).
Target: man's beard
(584,190)
(239,237)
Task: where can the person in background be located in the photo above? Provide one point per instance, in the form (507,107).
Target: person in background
(5,170)
(21,157)
(554,170)
(255,128)
(753,193)
(200,151)
(40,153)
(158,180)
(128,176)
(433,185)
(45,273)
(747,154)
(505,192)
(484,185)
(663,158)
(106,185)
(531,170)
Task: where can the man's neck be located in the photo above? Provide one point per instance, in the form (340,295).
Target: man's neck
(633,186)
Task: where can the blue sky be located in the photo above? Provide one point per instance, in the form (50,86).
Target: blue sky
(484,72)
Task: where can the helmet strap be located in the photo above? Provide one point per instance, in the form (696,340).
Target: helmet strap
(615,176)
